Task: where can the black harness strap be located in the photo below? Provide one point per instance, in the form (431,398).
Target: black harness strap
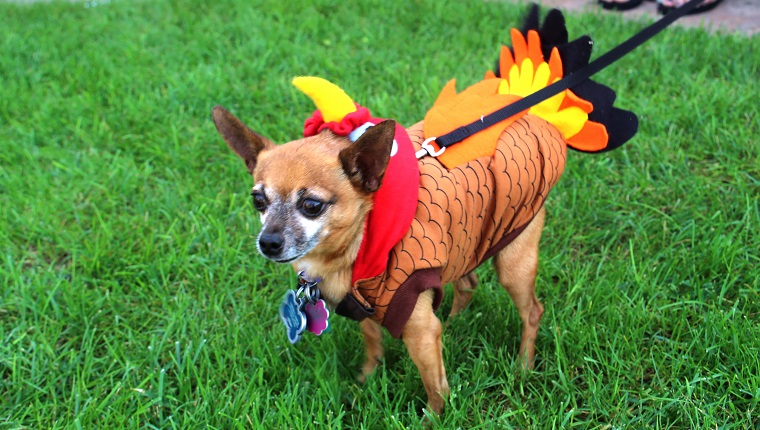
(569,81)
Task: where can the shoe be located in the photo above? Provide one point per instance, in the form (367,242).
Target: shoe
(664,10)
(630,4)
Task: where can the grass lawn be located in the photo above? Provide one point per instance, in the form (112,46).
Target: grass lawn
(132,294)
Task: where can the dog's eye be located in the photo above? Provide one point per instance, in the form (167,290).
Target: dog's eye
(259,201)
(312,208)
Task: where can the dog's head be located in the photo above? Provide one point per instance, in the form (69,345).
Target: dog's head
(312,194)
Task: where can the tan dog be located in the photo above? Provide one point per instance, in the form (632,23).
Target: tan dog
(315,194)
(315,207)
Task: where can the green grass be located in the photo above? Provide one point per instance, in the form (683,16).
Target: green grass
(132,295)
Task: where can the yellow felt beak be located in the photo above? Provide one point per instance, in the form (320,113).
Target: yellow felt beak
(330,99)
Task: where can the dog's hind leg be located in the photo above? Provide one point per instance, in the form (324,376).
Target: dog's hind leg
(516,266)
(463,289)
(373,342)
(422,337)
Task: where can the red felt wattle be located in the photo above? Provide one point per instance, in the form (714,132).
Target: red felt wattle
(395,204)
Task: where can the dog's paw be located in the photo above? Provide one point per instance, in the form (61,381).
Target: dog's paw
(369,366)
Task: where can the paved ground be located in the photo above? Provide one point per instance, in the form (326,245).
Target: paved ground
(741,16)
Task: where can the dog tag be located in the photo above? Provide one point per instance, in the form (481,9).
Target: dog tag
(293,316)
(316,316)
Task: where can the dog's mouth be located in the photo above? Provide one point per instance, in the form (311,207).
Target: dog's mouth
(285,260)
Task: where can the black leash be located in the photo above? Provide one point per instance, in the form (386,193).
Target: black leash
(568,81)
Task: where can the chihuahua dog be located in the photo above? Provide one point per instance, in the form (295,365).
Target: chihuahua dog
(377,235)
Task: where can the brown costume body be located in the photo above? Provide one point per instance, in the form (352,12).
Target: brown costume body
(464,216)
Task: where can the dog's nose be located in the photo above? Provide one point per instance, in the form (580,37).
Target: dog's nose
(271,244)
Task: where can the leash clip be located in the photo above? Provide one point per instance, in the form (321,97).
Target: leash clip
(428,149)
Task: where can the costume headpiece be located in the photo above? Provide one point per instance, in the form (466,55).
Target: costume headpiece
(335,109)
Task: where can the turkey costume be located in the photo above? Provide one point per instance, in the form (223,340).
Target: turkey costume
(439,214)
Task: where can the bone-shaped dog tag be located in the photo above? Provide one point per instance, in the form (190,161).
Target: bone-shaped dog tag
(292,315)
(316,316)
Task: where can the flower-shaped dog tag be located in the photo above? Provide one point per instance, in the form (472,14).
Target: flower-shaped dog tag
(316,316)
(292,316)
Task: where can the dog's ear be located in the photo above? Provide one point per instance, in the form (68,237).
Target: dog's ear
(366,159)
(244,142)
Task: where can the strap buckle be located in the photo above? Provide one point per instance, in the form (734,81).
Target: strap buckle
(428,149)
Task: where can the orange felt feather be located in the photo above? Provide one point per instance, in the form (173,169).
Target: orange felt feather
(519,46)
(505,59)
(555,65)
(534,48)
(593,137)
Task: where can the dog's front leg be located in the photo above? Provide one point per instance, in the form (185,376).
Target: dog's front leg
(422,337)
(373,342)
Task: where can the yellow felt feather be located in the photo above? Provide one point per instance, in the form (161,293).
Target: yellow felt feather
(527,79)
